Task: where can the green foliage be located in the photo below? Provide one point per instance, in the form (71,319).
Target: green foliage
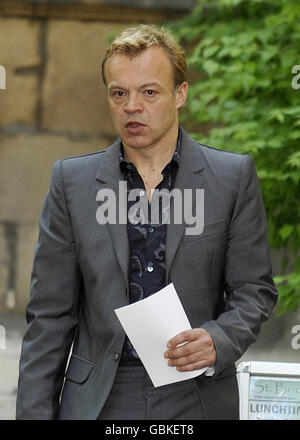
(242,53)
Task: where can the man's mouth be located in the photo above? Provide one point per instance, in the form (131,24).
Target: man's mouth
(134,127)
(134,124)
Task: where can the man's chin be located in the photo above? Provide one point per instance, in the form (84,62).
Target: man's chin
(135,141)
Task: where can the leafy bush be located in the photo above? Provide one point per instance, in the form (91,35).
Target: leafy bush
(246,98)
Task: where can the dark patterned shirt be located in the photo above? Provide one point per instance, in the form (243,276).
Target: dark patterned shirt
(147,239)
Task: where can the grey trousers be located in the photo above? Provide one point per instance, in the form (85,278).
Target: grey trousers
(133,397)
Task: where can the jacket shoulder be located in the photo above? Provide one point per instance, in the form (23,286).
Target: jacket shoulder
(218,153)
(222,162)
(83,158)
(84,163)
(211,155)
(213,150)
(77,169)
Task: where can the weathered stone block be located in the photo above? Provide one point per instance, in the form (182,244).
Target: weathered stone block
(74,98)
(25,168)
(19,55)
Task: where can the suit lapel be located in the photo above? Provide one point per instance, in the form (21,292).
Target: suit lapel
(190,176)
(108,176)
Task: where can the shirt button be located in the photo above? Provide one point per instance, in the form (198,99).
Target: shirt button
(142,193)
(151,229)
(116,356)
(150,269)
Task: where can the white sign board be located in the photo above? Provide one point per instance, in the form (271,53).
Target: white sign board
(269,390)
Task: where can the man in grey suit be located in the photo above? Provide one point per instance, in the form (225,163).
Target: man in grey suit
(86,267)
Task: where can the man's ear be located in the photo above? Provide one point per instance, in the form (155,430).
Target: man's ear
(181,93)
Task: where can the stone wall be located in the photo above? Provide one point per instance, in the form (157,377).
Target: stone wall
(121,11)
(54,106)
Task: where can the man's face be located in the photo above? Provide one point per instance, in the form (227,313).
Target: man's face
(143,103)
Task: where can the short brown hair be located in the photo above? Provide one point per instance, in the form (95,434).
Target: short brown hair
(134,40)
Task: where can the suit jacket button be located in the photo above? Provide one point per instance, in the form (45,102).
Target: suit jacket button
(116,356)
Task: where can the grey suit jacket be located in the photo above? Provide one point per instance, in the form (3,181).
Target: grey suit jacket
(80,275)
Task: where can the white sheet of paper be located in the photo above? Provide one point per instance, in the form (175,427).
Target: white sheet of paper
(150,324)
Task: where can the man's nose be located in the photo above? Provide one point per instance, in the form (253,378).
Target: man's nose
(134,103)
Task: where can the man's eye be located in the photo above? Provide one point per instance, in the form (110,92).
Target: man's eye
(150,92)
(118,94)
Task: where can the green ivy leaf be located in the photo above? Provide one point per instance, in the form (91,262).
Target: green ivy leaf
(286,231)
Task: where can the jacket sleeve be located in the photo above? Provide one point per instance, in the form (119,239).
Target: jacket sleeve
(52,312)
(250,294)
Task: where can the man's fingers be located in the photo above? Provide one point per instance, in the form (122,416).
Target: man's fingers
(207,357)
(184,360)
(191,350)
(192,354)
(184,350)
(200,344)
(185,336)
(192,367)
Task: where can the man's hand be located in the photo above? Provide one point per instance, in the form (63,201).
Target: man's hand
(197,352)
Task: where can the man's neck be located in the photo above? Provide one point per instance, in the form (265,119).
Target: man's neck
(152,159)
